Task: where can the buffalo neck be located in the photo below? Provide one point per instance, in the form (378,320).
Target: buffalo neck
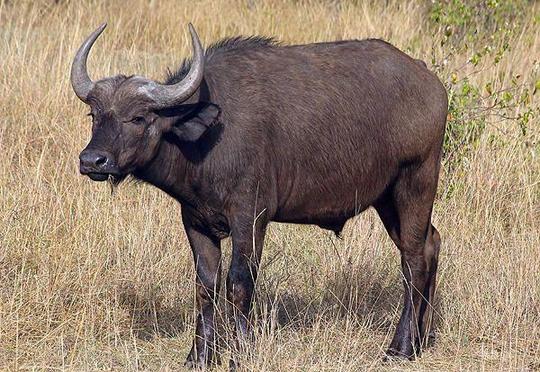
(175,166)
(169,170)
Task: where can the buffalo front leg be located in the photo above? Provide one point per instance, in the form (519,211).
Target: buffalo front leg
(247,240)
(207,257)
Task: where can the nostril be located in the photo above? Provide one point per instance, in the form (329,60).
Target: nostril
(93,160)
(101,160)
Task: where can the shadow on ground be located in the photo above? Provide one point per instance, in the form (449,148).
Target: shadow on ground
(151,316)
(362,297)
(346,295)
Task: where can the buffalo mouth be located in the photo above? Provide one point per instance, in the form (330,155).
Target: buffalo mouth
(99,176)
(114,178)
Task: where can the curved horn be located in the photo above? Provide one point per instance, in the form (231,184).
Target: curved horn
(80,81)
(169,95)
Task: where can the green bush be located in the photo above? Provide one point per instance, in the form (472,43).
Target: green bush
(484,30)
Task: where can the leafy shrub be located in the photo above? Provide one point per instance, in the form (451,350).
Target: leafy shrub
(484,30)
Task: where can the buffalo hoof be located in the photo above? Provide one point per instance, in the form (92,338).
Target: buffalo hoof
(393,355)
(196,360)
(191,363)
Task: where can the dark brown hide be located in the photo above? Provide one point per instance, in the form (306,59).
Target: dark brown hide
(311,134)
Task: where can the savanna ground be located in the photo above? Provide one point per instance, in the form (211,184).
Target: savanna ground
(93,280)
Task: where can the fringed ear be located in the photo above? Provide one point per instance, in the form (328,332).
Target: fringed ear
(195,121)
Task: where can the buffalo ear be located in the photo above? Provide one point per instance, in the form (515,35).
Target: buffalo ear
(195,121)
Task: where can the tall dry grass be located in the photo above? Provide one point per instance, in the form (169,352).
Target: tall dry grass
(91,280)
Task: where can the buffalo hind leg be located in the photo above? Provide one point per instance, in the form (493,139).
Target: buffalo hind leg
(406,214)
(433,246)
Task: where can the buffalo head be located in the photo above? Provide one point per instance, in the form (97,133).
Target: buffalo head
(131,114)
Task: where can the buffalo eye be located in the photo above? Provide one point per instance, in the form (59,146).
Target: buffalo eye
(139,120)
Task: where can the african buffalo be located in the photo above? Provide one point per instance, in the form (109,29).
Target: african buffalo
(251,131)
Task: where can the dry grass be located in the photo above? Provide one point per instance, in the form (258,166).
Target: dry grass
(91,281)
